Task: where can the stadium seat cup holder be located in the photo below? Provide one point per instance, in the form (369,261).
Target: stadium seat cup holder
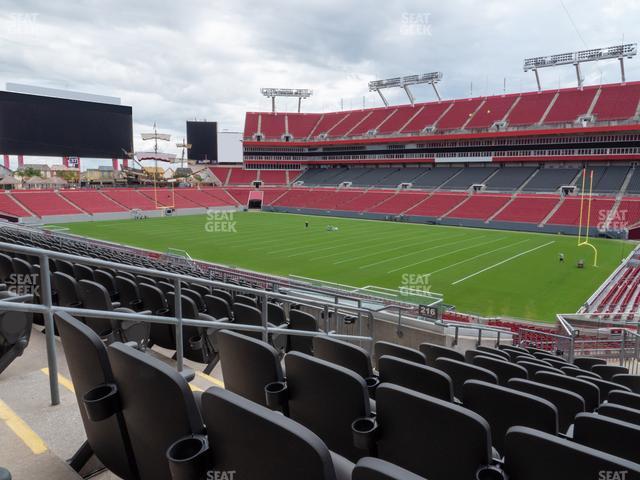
(109,336)
(196,342)
(277,396)
(365,433)
(161,312)
(372,384)
(102,402)
(188,457)
(490,472)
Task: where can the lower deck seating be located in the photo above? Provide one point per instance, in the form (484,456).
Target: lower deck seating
(569,212)
(45,203)
(480,206)
(92,201)
(528,209)
(437,204)
(9,206)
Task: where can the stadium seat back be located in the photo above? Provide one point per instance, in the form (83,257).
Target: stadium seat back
(534,367)
(89,368)
(608,434)
(105,279)
(153,299)
(604,386)
(129,293)
(67,289)
(157,405)
(494,351)
(345,354)
(567,403)
(15,332)
(217,307)
(470,354)
(326,398)
(460,372)
(585,363)
(256,442)
(245,314)
(419,433)
(620,412)
(370,468)
(563,459)
(299,320)
(6,267)
(252,302)
(608,371)
(382,348)
(83,272)
(504,408)
(626,399)
(248,365)
(589,392)
(432,351)
(95,297)
(504,370)
(411,375)
(630,381)
(224,294)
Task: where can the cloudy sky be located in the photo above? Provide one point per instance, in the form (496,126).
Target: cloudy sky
(207,59)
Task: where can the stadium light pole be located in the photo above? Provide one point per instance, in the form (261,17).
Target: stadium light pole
(405,82)
(620,52)
(298,93)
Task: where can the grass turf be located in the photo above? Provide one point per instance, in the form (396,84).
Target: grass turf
(489,272)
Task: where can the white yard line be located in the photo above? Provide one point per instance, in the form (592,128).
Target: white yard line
(502,262)
(446,254)
(413,244)
(419,251)
(344,242)
(478,256)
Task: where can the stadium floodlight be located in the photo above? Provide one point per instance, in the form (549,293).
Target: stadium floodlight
(404,82)
(272,93)
(620,52)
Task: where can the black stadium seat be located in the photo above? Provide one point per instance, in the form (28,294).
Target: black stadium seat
(299,320)
(504,370)
(534,367)
(626,399)
(157,405)
(255,442)
(370,468)
(505,407)
(567,403)
(15,332)
(387,348)
(585,363)
(249,365)
(326,398)
(424,435)
(608,434)
(630,381)
(589,392)
(620,412)
(421,378)
(67,289)
(432,351)
(346,355)
(90,368)
(608,371)
(604,386)
(534,455)
(470,354)
(217,307)
(494,351)
(460,372)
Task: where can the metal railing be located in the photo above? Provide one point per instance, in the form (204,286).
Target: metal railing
(48,309)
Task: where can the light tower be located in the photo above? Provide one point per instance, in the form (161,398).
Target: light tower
(620,52)
(298,93)
(404,83)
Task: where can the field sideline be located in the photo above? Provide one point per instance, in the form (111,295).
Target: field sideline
(489,272)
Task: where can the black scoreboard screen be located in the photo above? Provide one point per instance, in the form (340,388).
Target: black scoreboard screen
(203,138)
(57,127)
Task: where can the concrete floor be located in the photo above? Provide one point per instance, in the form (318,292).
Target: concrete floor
(48,436)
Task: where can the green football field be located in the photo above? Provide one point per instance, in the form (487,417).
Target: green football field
(488,272)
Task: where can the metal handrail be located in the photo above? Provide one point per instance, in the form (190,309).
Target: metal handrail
(48,309)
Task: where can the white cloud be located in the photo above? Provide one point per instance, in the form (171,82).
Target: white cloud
(174,61)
